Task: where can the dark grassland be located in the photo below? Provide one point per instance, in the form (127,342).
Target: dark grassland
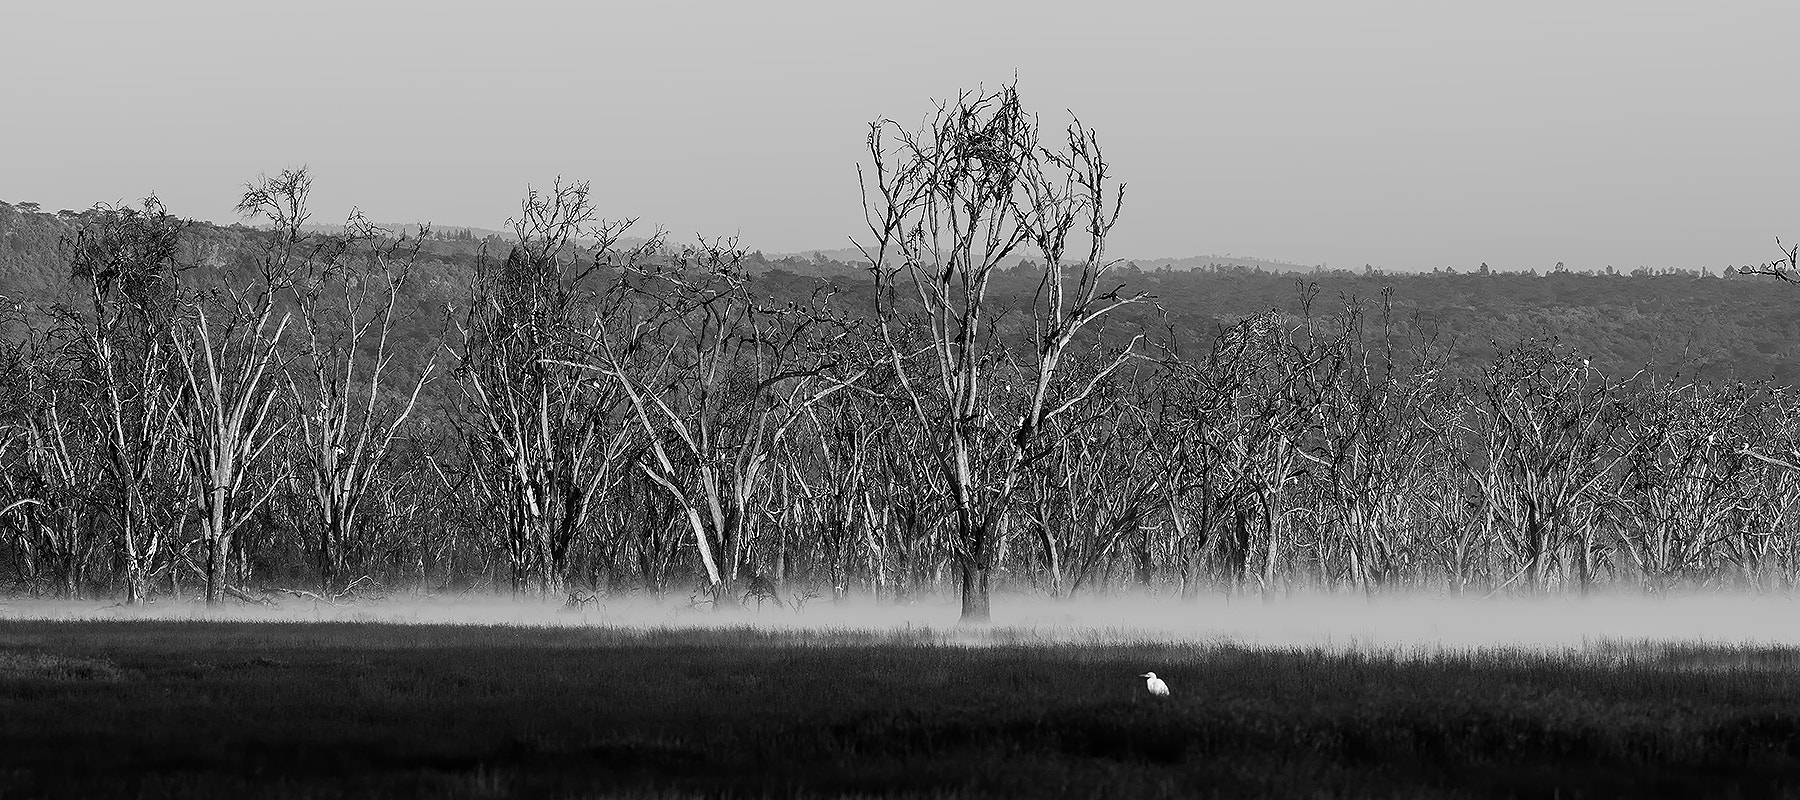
(224,709)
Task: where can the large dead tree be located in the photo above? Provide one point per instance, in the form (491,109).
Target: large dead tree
(1240,416)
(126,258)
(1688,473)
(49,465)
(948,205)
(229,420)
(1090,500)
(1786,269)
(717,381)
(229,360)
(830,483)
(1378,428)
(545,437)
(1544,424)
(344,288)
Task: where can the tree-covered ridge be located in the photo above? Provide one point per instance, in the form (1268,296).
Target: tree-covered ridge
(1720,326)
(1714,328)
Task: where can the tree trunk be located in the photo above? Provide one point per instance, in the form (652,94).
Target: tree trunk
(215,566)
(975,596)
(325,556)
(1146,577)
(137,585)
(725,595)
(1536,543)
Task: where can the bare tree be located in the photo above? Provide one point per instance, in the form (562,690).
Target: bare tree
(717,381)
(344,288)
(657,525)
(545,435)
(229,362)
(49,464)
(1686,470)
(1785,268)
(127,259)
(230,421)
(1093,495)
(833,490)
(1544,423)
(1242,416)
(1378,428)
(948,206)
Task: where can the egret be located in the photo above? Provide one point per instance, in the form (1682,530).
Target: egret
(1155,684)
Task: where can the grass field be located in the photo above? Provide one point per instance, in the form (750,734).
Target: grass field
(249,708)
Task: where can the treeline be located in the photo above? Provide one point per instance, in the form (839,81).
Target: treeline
(998,405)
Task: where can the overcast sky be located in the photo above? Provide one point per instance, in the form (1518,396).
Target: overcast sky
(1404,134)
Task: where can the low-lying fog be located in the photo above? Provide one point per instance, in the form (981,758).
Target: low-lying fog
(1333,622)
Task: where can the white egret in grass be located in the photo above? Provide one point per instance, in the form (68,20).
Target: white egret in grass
(1155,684)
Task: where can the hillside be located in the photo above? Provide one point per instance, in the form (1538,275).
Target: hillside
(1673,323)
(1676,324)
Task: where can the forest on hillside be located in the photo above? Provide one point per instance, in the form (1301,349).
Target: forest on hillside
(1672,323)
(230,410)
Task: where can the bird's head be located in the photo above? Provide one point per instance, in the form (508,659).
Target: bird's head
(1148,675)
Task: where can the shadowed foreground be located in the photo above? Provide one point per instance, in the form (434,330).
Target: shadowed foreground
(236,709)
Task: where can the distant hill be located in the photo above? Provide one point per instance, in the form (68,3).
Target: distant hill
(1669,322)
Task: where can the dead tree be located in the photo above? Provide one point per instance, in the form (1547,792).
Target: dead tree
(544,436)
(229,419)
(344,288)
(1544,424)
(1241,414)
(947,206)
(657,525)
(716,380)
(1091,496)
(832,485)
(49,464)
(1764,540)
(1378,428)
(1185,397)
(24,492)
(127,260)
(1687,469)
(1786,268)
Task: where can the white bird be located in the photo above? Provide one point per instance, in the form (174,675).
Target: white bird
(1155,684)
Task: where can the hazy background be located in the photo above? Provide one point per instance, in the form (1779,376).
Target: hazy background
(1403,134)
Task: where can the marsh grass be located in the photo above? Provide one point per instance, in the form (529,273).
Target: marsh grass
(25,664)
(307,710)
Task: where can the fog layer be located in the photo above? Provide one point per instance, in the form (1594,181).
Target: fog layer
(1338,623)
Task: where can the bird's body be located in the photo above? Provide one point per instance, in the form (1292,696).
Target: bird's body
(1155,685)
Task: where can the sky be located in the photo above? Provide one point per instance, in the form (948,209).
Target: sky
(1406,135)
